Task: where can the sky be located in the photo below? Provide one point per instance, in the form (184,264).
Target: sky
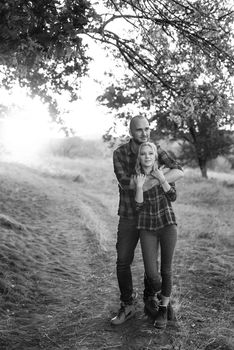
(87,118)
(28,127)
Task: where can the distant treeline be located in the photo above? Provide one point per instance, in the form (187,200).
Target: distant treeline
(76,147)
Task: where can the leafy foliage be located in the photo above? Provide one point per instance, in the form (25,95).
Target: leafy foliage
(41,46)
(155,26)
(188,94)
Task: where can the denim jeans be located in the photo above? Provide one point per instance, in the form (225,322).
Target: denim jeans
(154,280)
(127,239)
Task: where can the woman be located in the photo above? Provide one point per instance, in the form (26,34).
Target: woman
(157,224)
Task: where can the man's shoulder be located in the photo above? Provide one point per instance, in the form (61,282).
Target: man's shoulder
(123,147)
(159,148)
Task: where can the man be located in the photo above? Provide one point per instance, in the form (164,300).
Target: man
(124,159)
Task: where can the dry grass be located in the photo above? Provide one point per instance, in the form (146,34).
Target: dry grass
(58,286)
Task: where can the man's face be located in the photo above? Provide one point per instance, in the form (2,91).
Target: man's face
(140,130)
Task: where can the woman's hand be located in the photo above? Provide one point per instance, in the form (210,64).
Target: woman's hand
(159,174)
(164,169)
(139,180)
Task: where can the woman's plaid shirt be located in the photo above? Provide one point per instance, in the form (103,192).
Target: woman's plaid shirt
(124,159)
(155,211)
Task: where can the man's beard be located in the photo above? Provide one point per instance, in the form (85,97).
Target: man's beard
(140,142)
(137,142)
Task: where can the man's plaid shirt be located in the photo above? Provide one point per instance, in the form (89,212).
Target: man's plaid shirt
(124,159)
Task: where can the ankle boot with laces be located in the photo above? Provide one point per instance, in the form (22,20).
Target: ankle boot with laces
(170,311)
(125,312)
(151,306)
(160,320)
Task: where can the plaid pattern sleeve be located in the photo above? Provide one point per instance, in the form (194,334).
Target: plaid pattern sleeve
(139,206)
(165,159)
(171,194)
(120,167)
(124,163)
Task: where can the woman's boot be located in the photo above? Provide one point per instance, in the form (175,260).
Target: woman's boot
(160,320)
(170,311)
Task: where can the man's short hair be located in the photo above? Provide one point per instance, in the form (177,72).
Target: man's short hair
(134,118)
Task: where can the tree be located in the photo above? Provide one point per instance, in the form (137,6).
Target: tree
(201,117)
(204,24)
(198,117)
(41,46)
(192,96)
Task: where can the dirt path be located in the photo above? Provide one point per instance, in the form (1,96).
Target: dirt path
(69,240)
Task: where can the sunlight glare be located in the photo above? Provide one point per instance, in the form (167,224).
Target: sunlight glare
(26,129)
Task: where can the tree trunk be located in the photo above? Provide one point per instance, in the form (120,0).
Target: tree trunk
(203,167)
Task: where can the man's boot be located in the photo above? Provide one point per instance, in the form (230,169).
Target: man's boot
(151,306)
(125,312)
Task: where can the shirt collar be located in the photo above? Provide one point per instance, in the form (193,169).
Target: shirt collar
(133,147)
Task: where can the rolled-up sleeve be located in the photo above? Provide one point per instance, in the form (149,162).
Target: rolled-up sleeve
(165,159)
(171,194)
(139,206)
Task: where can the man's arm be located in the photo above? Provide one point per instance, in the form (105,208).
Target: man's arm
(173,175)
(175,171)
(124,180)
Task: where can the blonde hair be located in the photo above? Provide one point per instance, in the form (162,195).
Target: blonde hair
(138,167)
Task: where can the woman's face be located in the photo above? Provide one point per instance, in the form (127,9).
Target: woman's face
(147,156)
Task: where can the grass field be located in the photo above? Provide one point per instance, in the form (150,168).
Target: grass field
(58,286)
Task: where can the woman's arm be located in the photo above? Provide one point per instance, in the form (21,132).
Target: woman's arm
(168,188)
(139,197)
(139,182)
(171,194)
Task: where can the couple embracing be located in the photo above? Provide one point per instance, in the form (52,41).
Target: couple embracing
(146,176)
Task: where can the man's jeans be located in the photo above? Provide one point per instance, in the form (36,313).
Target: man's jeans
(127,239)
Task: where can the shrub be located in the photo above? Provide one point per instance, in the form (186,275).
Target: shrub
(220,163)
(231,160)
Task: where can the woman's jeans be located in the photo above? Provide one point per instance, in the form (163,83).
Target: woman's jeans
(127,239)
(154,281)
